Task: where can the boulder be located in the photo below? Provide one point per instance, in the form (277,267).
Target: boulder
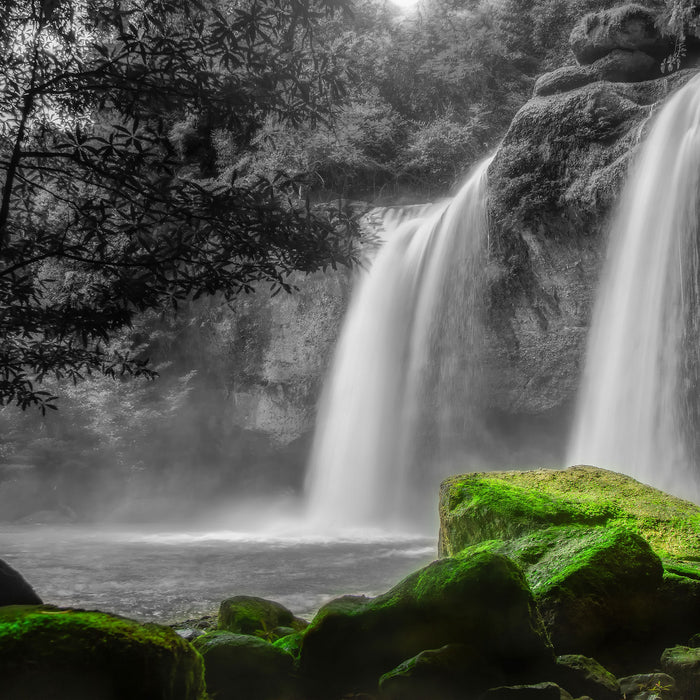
(677,605)
(648,686)
(259,617)
(508,504)
(619,66)
(440,673)
(64,654)
(537,691)
(581,675)
(481,602)
(14,590)
(239,666)
(594,586)
(291,644)
(683,664)
(629,27)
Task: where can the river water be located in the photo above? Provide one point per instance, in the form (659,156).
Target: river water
(165,576)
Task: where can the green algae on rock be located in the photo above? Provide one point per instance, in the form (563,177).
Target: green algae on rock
(259,617)
(507,504)
(482,602)
(65,654)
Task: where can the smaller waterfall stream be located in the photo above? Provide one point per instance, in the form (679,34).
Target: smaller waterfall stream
(639,407)
(396,403)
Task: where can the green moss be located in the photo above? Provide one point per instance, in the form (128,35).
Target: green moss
(507,505)
(290,644)
(41,644)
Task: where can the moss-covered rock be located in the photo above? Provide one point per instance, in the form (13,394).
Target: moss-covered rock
(683,664)
(259,617)
(482,602)
(648,686)
(242,667)
(508,504)
(64,654)
(587,540)
(581,675)
(595,586)
(440,673)
(14,590)
(291,644)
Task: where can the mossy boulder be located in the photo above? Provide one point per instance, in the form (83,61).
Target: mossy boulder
(14,590)
(440,673)
(508,504)
(482,602)
(629,27)
(594,586)
(683,664)
(581,675)
(243,667)
(291,644)
(64,654)
(648,686)
(259,617)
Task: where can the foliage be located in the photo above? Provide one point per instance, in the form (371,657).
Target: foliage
(101,216)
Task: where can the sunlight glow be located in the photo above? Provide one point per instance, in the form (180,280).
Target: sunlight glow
(404,4)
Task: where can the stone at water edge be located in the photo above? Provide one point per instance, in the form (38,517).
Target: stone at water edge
(683,664)
(49,653)
(630,27)
(483,603)
(243,667)
(14,590)
(259,617)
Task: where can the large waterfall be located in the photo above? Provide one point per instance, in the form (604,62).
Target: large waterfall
(638,407)
(396,405)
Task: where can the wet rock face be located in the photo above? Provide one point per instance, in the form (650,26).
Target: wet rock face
(628,27)
(553,185)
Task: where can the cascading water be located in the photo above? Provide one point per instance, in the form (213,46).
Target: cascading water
(396,403)
(638,410)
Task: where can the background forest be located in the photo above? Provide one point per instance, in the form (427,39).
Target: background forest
(412,101)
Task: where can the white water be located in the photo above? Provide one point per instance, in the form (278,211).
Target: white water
(638,404)
(395,407)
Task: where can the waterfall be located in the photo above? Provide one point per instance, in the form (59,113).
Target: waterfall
(396,405)
(638,405)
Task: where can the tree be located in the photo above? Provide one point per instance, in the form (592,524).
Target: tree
(102,216)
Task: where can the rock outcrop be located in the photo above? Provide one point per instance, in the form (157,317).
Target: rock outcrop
(612,563)
(629,27)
